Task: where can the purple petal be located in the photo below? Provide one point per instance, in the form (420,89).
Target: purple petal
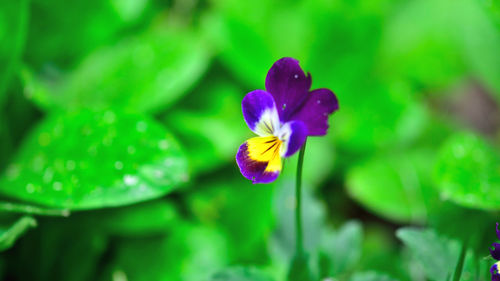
(254,169)
(293,134)
(314,113)
(498,232)
(259,111)
(495,276)
(495,252)
(289,85)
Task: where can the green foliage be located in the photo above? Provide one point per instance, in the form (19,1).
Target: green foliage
(12,227)
(370,276)
(437,255)
(13,26)
(242,212)
(393,186)
(120,121)
(341,250)
(88,159)
(467,172)
(144,73)
(147,218)
(300,268)
(210,132)
(240,274)
(193,252)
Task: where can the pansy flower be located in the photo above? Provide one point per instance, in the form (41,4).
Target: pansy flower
(283,117)
(495,253)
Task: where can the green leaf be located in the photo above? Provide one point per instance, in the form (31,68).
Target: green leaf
(144,73)
(211,132)
(477,35)
(370,276)
(250,47)
(240,273)
(381,253)
(436,255)
(420,35)
(51,251)
(76,29)
(12,227)
(16,207)
(145,218)
(77,261)
(467,172)
(313,218)
(341,249)
(382,115)
(194,252)
(13,27)
(224,203)
(395,187)
(86,159)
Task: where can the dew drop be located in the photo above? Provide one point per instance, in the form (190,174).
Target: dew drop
(163,144)
(141,126)
(184,177)
(318,101)
(96,191)
(130,149)
(70,165)
(74,179)
(39,162)
(12,172)
(30,188)
(284,106)
(118,165)
(130,180)
(92,150)
(119,276)
(143,187)
(459,151)
(159,173)
(109,117)
(107,141)
(296,76)
(48,175)
(57,186)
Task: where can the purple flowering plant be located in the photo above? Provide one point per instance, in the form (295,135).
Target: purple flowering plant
(282,116)
(495,253)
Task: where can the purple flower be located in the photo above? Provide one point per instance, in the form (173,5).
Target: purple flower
(495,253)
(282,117)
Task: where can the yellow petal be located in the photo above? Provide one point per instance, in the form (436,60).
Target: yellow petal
(266,149)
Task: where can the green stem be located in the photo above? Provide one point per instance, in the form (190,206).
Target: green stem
(460,263)
(298,208)
(33,210)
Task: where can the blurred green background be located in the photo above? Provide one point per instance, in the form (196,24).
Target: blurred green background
(120,120)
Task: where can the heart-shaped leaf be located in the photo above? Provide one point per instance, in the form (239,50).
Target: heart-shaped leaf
(88,159)
(144,73)
(437,255)
(468,172)
(393,186)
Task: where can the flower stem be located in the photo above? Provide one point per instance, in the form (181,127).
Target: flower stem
(298,208)
(460,263)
